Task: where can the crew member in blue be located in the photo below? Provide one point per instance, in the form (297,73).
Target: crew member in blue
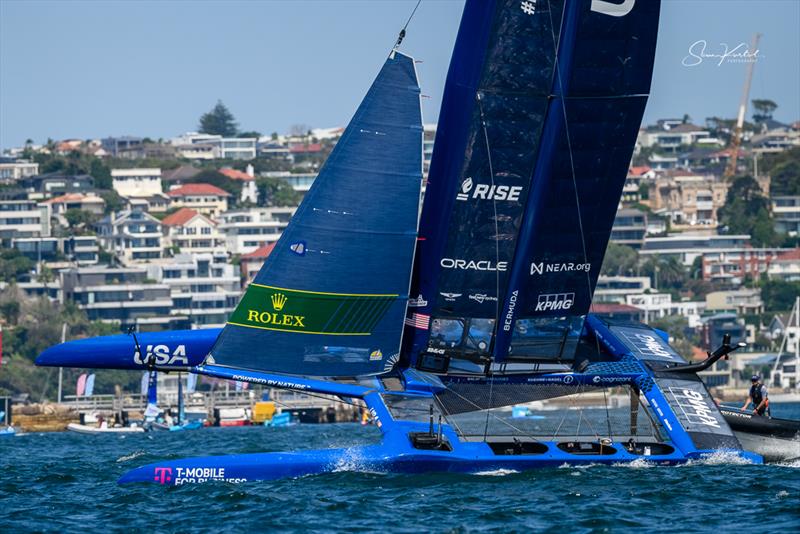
(758,396)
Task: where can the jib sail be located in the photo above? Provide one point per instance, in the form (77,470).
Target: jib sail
(330,299)
(541,110)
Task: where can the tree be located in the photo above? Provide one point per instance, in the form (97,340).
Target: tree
(784,168)
(114,202)
(620,260)
(779,295)
(763,109)
(101,174)
(251,133)
(276,192)
(665,272)
(13,264)
(219,121)
(80,219)
(747,211)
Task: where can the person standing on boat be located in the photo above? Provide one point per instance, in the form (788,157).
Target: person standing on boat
(758,396)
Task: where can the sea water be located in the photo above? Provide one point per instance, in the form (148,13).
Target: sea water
(67,482)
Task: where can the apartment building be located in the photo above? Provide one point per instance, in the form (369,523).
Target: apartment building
(123,296)
(131,236)
(205,288)
(247,229)
(136,182)
(23,218)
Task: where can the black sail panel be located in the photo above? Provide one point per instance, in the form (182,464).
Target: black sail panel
(540,113)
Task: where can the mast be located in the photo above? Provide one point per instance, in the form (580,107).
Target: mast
(777,368)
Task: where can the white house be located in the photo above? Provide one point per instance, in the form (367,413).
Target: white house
(137,182)
(247,229)
(192,232)
(131,236)
(205,198)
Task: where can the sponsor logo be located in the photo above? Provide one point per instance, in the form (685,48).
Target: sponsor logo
(418,302)
(162,355)
(375,417)
(480,298)
(512,303)
(569,379)
(555,301)
(647,344)
(450,297)
(480,265)
(543,268)
(613,9)
(528,6)
(277,319)
(610,380)
(194,475)
(375,355)
(162,475)
(269,382)
(278,301)
(695,407)
(298,248)
(488,192)
(434,350)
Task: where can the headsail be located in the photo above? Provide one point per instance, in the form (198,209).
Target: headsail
(330,299)
(540,114)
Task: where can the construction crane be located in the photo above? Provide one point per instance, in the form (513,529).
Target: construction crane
(736,140)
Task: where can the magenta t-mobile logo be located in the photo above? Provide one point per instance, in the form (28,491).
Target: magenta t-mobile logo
(163,475)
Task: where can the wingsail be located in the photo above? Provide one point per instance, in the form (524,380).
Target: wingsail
(541,109)
(330,299)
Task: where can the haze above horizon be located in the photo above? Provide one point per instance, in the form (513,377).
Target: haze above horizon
(90,69)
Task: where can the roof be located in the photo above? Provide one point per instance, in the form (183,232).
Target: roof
(233,174)
(310,148)
(74,197)
(180,217)
(184,172)
(793,254)
(198,190)
(611,307)
(686,128)
(261,252)
(638,171)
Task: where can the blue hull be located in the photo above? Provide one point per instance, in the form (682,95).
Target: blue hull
(386,458)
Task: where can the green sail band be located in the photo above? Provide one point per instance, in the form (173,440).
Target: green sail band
(308,312)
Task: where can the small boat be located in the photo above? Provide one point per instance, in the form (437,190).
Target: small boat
(8,432)
(775,439)
(280,419)
(87,429)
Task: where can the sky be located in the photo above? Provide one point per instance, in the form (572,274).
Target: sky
(90,69)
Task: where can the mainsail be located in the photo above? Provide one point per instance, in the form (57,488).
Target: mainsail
(331,297)
(541,109)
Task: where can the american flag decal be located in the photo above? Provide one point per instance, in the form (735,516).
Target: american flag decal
(419,320)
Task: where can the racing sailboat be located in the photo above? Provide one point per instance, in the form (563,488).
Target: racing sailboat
(440,322)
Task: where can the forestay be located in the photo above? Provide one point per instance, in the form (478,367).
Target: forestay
(541,110)
(330,299)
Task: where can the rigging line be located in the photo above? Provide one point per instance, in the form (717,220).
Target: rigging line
(402,33)
(521,432)
(574,178)
(496,249)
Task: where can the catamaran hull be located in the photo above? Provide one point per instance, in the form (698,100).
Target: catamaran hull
(85,429)
(470,458)
(772,448)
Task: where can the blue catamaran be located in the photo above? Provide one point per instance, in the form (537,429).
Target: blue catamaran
(441,322)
